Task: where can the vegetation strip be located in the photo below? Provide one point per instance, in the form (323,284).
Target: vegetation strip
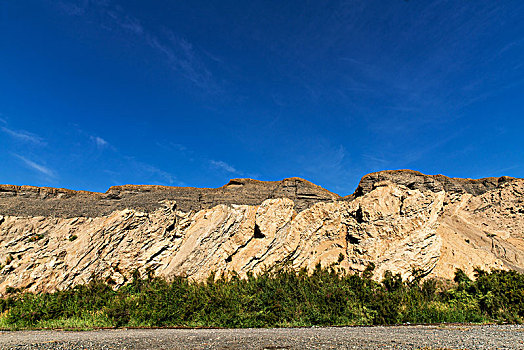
(275,298)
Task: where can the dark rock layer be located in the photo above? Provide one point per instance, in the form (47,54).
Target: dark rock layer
(58,202)
(434,183)
(45,201)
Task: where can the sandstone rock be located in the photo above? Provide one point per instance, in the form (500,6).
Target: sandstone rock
(435,183)
(404,222)
(485,231)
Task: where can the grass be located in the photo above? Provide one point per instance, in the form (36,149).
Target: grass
(276,298)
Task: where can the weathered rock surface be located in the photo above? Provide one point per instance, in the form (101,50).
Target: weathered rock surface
(435,183)
(59,202)
(401,221)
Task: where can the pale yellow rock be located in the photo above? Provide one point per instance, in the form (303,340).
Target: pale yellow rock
(396,228)
(485,231)
(268,239)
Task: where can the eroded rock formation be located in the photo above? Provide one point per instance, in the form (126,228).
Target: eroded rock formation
(59,202)
(401,221)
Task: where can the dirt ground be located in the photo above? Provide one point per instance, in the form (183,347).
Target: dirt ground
(394,337)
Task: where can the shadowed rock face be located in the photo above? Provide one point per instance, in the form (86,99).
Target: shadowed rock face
(44,201)
(401,221)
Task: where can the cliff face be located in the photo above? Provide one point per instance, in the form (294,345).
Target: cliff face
(402,221)
(435,183)
(59,202)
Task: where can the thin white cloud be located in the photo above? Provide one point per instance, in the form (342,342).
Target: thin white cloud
(324,162)
(167,177)
(218,164)
(126,22)
(171,146)
(183,58)
(406,158)
(3,121)
(35,166)
(150,172)
(325,159)
(24,136)
(99,142)
(73,9)
(375,161)
(180,54)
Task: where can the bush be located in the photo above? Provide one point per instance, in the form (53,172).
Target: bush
(275,298)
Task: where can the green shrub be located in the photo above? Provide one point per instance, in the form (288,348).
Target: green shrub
(275,298)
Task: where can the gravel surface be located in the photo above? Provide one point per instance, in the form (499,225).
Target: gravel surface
(396,337)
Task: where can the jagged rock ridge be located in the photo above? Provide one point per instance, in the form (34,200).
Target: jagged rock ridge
(59,202)
(402,221)
(435,183)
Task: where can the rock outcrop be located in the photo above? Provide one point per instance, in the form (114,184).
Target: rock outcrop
(59,202)
(402,221)
(435,183)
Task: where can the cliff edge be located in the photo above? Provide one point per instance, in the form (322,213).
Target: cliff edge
(59,202)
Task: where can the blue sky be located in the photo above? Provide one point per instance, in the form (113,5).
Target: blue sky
(193,93)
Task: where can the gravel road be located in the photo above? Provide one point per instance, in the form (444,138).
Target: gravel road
(395,337)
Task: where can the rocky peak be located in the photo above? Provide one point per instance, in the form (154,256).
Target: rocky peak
(434,183)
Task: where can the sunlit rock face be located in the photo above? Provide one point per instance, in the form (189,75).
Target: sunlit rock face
(401,221)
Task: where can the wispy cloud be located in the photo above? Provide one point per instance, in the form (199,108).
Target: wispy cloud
(324,162)
(325,159)
(179,147)
(407,158)
(123,168)
(73,9)
(35,166)
(126,21)
(156,172)
(175,147)
(190,155)
(376,161)
(24,136)
(183,58)
(87,136)
(99,142)
(181,55)
(221,165)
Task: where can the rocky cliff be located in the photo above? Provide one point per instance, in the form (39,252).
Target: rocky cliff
(59,202)
(401,221)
